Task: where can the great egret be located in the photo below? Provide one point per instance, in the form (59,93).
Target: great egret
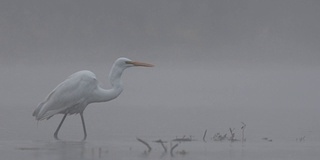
(80,89)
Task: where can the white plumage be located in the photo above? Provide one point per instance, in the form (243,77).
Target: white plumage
(80,89)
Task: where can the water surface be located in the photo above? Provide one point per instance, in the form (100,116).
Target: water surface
(132,149)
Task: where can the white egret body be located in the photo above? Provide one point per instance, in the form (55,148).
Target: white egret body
(74,94)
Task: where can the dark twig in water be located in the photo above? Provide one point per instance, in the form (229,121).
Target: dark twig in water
(219,137)
(232,134)
(172,148)
(183,139)
(145,143)
(301,139)
(242,128)
(161,142)
(204,136)
(267,139)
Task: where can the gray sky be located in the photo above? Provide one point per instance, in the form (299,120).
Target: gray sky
(221,61)
(245,31)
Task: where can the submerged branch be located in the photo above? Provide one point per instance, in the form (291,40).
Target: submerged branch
(172,148)
(204,136)
(162,144)
(242,128)
(145,143)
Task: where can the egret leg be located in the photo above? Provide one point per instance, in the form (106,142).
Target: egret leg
(84,127)
(57,130)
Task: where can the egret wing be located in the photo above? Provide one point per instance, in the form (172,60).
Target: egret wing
(71,96)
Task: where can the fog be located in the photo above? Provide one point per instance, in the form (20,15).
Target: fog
(169,32)
(217,64)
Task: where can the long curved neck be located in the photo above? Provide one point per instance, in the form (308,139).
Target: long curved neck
(115,76)
(103,95)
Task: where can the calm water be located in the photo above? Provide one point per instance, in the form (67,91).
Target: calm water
(132,149)
(278,104)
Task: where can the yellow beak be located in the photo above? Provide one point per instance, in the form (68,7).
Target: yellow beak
(135,63)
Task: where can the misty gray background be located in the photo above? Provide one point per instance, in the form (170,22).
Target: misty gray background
(217,63)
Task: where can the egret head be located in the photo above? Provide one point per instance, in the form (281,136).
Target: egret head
(120,65)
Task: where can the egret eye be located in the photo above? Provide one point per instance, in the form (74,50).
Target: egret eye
(128,62)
